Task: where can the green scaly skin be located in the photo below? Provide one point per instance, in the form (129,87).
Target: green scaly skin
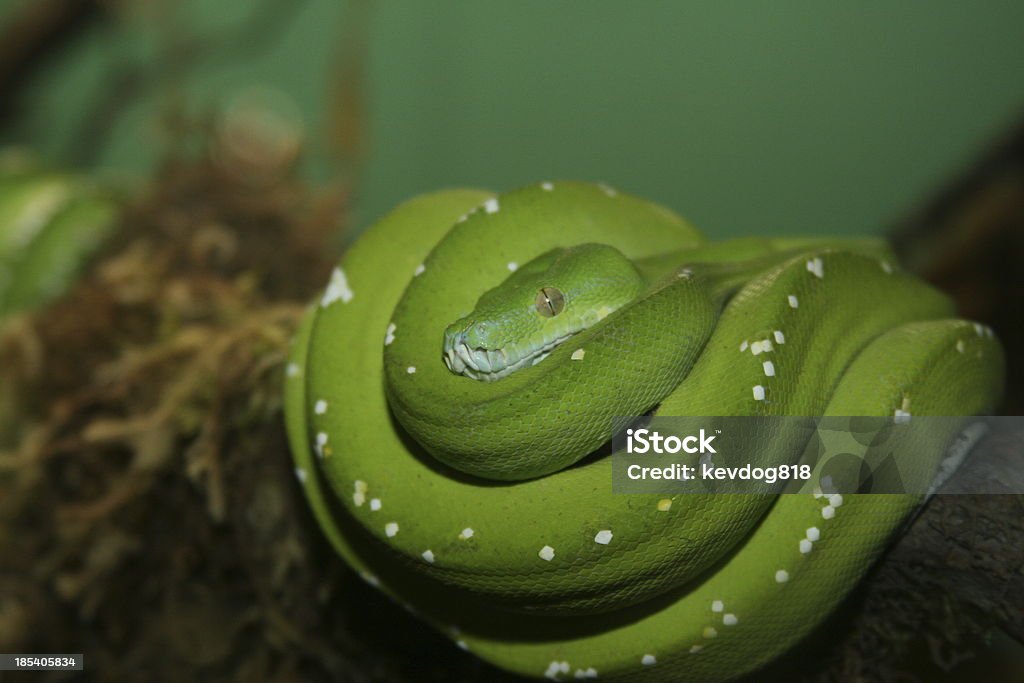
(455,496)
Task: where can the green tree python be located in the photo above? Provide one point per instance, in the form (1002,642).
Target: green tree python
(50,224)
(446,394)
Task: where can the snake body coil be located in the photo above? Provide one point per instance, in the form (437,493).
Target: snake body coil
(469,499)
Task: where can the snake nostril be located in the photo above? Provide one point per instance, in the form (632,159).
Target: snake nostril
(475,336)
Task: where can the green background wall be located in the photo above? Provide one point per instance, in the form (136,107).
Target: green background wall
(799,117)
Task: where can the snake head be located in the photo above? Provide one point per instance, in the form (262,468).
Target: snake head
(543,303)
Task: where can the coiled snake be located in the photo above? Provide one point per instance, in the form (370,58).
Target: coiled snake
(469,354)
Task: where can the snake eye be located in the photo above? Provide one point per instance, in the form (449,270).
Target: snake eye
(549,302)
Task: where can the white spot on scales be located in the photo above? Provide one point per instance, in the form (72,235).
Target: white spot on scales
(555,668)
(337,289)
(359,492)
(902,414)
(816,267)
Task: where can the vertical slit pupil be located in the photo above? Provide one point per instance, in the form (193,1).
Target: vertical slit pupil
(550,301)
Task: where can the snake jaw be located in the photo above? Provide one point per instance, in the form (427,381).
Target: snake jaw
(489,365)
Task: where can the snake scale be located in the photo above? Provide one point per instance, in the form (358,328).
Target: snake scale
(445,395)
